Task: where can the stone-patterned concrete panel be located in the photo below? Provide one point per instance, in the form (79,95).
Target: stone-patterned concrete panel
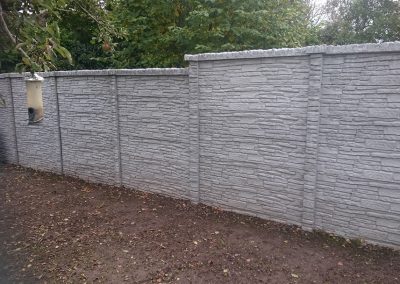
(154,165)
(87,118)
(84,85)
(154,133)
(359,144)
(38,144)
(8,149)
(252,135)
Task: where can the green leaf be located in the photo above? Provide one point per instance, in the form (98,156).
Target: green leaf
(64,53)
(26,61)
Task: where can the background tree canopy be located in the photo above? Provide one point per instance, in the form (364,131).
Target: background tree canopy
(160,32)
(361,21)
(96,34)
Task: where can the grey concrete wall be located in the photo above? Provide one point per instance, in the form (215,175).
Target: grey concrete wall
(8,146)
(252,135)
(39,144)
(307,136)
(88,133)
(154,132)
(358,187)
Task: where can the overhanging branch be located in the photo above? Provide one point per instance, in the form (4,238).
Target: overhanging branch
(5,27)
(13,39)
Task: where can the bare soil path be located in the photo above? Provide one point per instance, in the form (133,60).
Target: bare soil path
(56,229)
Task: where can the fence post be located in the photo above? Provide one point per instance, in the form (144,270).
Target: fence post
(14,120)
(194,132)
(312,133)
(117,143)
(59,123)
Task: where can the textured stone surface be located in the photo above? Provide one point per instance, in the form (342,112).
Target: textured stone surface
(252,135)
(312,140)
(38,144)
(307,136)
(154,133)
(8,149)
(88,132)
(194,132)
(358,185)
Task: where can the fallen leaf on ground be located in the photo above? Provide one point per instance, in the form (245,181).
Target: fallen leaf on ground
(295,275)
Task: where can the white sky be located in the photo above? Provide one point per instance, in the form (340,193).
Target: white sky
(319,2)
(319,11)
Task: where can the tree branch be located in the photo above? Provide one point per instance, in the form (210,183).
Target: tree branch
(5,27)
(98,21)
(88,13)
(10,35)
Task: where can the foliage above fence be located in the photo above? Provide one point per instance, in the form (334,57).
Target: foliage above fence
(147,33)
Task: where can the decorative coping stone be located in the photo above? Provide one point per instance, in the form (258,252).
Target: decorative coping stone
(106,72)
(301,51)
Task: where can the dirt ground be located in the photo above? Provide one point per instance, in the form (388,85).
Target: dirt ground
(56,229)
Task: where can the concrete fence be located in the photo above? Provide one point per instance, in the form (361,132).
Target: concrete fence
(307,136)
